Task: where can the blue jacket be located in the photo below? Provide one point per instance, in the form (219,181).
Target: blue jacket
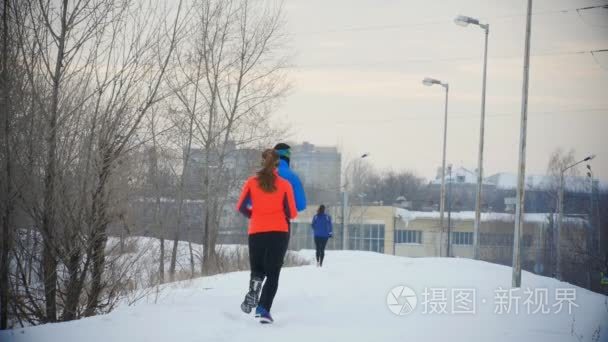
(321,225)
(296,184)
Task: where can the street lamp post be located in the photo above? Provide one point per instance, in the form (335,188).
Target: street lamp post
(596,244)
(521,171)
(449,211)
(345,203)
(465,21)
(591,233)
(560,206)
(429,82)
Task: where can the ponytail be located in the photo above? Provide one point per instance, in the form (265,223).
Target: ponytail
(266,176)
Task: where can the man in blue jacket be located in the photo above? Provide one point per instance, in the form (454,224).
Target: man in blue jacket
(284,152)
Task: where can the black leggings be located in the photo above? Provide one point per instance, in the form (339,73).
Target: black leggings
(320,243)
(266,254)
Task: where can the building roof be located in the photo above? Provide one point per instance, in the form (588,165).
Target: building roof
(407,215)
(508,181)
(460,175)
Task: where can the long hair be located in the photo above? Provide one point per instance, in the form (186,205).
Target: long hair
(266,177)
(321,210)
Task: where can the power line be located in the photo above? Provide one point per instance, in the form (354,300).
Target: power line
(371,28)
(459,116)
(454,59)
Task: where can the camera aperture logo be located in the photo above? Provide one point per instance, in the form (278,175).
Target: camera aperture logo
(401,300)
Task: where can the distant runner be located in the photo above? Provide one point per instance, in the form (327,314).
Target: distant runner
(322,230)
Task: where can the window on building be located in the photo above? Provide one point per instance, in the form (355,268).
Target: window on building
(496,239)
(462,238)
(366,237)
(408,236)
(503,240)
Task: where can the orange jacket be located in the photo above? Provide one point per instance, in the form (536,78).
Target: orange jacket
(268,212)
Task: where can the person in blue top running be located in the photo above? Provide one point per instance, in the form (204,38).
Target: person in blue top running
(322,228)
(284,152)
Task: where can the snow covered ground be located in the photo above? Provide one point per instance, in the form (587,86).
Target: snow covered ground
(347,301)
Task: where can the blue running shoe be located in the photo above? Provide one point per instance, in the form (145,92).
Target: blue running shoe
(263,315)
(258,311)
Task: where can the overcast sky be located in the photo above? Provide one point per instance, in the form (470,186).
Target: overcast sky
(359,66)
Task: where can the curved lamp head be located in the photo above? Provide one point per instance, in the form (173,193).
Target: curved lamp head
(589,157)
(430,81)
(463,20)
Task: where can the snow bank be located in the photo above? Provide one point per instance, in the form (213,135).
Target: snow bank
(344,301)
(143,257)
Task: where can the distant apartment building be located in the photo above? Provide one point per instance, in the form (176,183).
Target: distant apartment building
(231,163)
(319,170)
(227,170)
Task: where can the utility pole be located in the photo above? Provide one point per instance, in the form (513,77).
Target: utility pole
(480,156)
(445,135)
(521,173)
(591,231)
(344,219)
(465,21)
(345,202)
(449,211)
(429,82)
(558,235)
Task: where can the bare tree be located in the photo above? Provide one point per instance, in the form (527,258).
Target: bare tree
(574,246)
(94,68)
(387,186)
(118,127)
(8,87)
(229,78)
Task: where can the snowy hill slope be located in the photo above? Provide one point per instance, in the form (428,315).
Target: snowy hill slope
(347,301)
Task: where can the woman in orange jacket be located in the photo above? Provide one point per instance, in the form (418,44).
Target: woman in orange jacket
(268,201)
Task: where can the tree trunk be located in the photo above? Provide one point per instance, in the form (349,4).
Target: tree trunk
(208,245)
(98,257)
(5,244)
(48,217)
(191,259)
(161,265)
(49,264)
(180,201)
(205,243)
(74,288)
(99,238)
(174,250)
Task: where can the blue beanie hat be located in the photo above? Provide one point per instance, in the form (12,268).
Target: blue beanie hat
(284,151)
